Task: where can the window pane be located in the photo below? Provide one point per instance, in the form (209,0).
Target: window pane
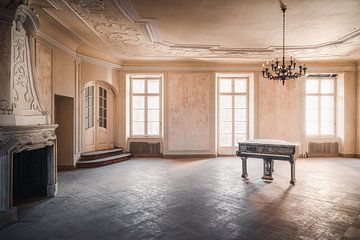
(91,91)
(327,128)
(153,128)
(240,127)
(225,127)
(153,102)
(153,86)
(312,86)
(240,102)
(327,115)
(138,102)
(327,102)
(153,115)
(312,115)
(225,85)
(225,140)
(138,115)
(138,128)
(240,115)
(240,85)
(138,86)
(312,102)
(312,128)
(327,86)
(225,115)
(225,101)
(239,138)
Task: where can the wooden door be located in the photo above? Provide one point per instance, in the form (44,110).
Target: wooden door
(105,116)
(98,117)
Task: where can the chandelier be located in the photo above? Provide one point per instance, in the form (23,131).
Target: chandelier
(284,70)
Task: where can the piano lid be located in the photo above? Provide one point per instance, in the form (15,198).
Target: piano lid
(269,141)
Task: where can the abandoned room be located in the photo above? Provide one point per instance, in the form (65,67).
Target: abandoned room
(179,119)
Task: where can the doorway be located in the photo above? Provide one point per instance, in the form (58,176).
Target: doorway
(64,117)
(98,117)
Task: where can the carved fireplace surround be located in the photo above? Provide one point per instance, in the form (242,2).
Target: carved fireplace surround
(24,126)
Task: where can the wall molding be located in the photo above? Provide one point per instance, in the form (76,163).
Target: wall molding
(76,55)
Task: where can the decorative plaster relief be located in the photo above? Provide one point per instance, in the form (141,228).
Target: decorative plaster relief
(24,98)
(119,25)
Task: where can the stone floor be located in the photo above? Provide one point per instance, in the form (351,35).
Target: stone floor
(198,199)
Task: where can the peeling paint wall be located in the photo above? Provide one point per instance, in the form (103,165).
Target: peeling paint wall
(189,113)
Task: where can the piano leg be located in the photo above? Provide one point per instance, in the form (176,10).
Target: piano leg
(268,169)
(272,166)
(292,164)
(244,168)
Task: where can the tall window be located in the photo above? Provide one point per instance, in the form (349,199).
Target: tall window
(89,107)
(320,106)
(232,110)
(145,105)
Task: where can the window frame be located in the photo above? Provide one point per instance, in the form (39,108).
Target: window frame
(145,77)
(319,95)
(87,107)
(232,94)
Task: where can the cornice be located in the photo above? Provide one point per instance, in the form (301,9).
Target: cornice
(331,69)
(76,55)
(193,68)
(99,62)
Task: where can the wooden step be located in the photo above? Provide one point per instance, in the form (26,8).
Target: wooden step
(103,161)
(101,154)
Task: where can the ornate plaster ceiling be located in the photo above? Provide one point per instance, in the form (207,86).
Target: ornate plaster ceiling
(221,29)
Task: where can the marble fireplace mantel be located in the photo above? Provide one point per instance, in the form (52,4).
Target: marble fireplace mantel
(15,139)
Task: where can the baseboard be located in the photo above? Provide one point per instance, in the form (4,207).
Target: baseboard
(65,168)
(323,155)
(351,155)
(158,155)
(170,156)
(357,156)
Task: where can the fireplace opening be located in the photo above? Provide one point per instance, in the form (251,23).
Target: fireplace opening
(30,176)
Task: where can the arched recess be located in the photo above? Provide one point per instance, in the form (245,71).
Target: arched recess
(97,116)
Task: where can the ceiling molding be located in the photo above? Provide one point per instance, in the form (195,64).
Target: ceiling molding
(151,30)
(56,43)
(76,55)
(326,69)
(192,69)
(99,62)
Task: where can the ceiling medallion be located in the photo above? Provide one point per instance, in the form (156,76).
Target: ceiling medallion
(286,69)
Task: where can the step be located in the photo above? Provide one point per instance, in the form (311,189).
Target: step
(101,154)
(103,161)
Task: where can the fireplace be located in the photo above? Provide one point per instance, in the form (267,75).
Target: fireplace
(30,175)
(27,166)
(27,137)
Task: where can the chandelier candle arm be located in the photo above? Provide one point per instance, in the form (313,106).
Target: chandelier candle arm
(283,71)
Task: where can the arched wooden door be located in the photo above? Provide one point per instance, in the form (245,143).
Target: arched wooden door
(97,117)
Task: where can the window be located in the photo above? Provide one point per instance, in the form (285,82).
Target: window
(89,107)
(145,105)
(102,107)
(232,110)
(320,106)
